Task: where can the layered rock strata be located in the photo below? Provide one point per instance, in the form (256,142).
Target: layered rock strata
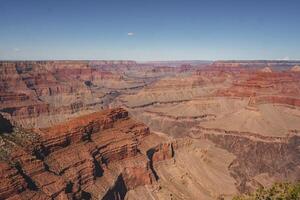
(95,156)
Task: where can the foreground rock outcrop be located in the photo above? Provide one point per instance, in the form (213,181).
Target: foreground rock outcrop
(91,157)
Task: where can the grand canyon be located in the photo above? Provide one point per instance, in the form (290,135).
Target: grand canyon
(116,130)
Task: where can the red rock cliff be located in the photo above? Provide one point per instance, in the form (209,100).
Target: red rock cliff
(91,157)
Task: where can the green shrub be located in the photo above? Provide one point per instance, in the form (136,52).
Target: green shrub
(279,191)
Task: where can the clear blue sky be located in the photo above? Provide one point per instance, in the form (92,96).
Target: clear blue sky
(150,29)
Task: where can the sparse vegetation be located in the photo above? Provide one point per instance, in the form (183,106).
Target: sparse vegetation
(17,137)
(279,191)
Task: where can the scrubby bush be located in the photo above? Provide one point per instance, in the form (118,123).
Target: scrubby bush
(279,191)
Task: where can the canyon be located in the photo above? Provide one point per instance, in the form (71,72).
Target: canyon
(153,130)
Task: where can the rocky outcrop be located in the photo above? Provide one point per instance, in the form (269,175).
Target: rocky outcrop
(161,152)
(166,150)
(91,157)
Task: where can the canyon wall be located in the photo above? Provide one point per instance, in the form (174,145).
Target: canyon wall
(44,93)
(259,160)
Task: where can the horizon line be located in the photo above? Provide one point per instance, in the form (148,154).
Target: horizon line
(145,61)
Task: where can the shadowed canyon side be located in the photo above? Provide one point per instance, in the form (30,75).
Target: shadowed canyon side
(154,130)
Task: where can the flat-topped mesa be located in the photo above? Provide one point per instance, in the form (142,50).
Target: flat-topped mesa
(257,63)
(83,157)
(113,62)
(226,64)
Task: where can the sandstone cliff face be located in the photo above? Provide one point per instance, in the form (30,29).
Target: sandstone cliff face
(92,157)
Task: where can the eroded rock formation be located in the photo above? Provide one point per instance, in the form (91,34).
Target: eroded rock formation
(92,157)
